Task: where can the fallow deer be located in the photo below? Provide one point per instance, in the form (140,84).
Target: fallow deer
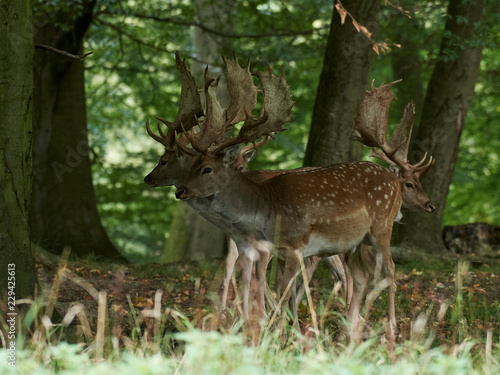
(373,111)
(312,213)
(335,262)
(174,166)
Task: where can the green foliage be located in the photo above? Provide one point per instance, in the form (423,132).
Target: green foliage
(213,353)
(132,74)
(473,194)
(135,215)
(50,11)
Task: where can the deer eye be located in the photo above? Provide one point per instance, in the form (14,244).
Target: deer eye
(163,162)
(409,185)
(207,170)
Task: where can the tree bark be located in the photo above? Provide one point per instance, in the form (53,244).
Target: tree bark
(406,62)
(16,103)
(63,199)
(445,108)
(190,234)
(342,85)
(406,65)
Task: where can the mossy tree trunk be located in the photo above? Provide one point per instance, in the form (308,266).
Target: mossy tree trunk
(64,202)
(16,90)
(342,85)
(443,115)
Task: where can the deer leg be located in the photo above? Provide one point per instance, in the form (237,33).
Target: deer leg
(232,256)
(246,263)
(280,267)
(269,296)
(311,264)
(262,253)
(360,278)
(339,269)
(389,263)
(290,272)
(261,270)
(372,262)
(349,286)
(383,247)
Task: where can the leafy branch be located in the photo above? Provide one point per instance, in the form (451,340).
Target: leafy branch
(377,47)
(180,22)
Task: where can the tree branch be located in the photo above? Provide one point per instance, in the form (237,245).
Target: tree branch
(130,36)
(64,53)
(215,31)
(361,29)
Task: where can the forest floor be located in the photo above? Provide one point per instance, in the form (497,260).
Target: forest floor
(193,289)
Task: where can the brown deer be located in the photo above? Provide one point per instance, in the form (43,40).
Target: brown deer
(373,111)
(312,213)
(174,166)
(335,262)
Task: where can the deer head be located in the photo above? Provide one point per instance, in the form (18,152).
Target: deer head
(370,128)
(247,153)
(216,155)
(173,163)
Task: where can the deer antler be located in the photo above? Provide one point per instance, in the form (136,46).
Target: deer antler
(370,128)
(190,108)
(241,88)
(217,121)
(255,145)
(276,111)
(214,123)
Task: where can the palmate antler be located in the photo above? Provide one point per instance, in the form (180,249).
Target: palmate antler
(370,128)
(190,108)
(275,112)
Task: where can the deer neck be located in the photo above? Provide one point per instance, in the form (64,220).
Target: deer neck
(246,206)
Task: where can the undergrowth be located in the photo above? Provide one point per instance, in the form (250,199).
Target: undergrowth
(433,338)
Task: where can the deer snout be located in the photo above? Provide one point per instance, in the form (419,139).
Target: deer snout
(429,206)
(179,192)
(149,180)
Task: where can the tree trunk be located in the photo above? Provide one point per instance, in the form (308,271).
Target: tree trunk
(445,108)
(190,234)
(342,85)
(64,203)
(406,65)
(406,62)
(16,77)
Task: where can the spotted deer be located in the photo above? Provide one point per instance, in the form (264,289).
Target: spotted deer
(414,197)
(321,212)
(174,167)
(334,262)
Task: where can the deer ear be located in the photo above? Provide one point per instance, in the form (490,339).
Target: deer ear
(393,168)
(231,155)
(247,156)
(178,152)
